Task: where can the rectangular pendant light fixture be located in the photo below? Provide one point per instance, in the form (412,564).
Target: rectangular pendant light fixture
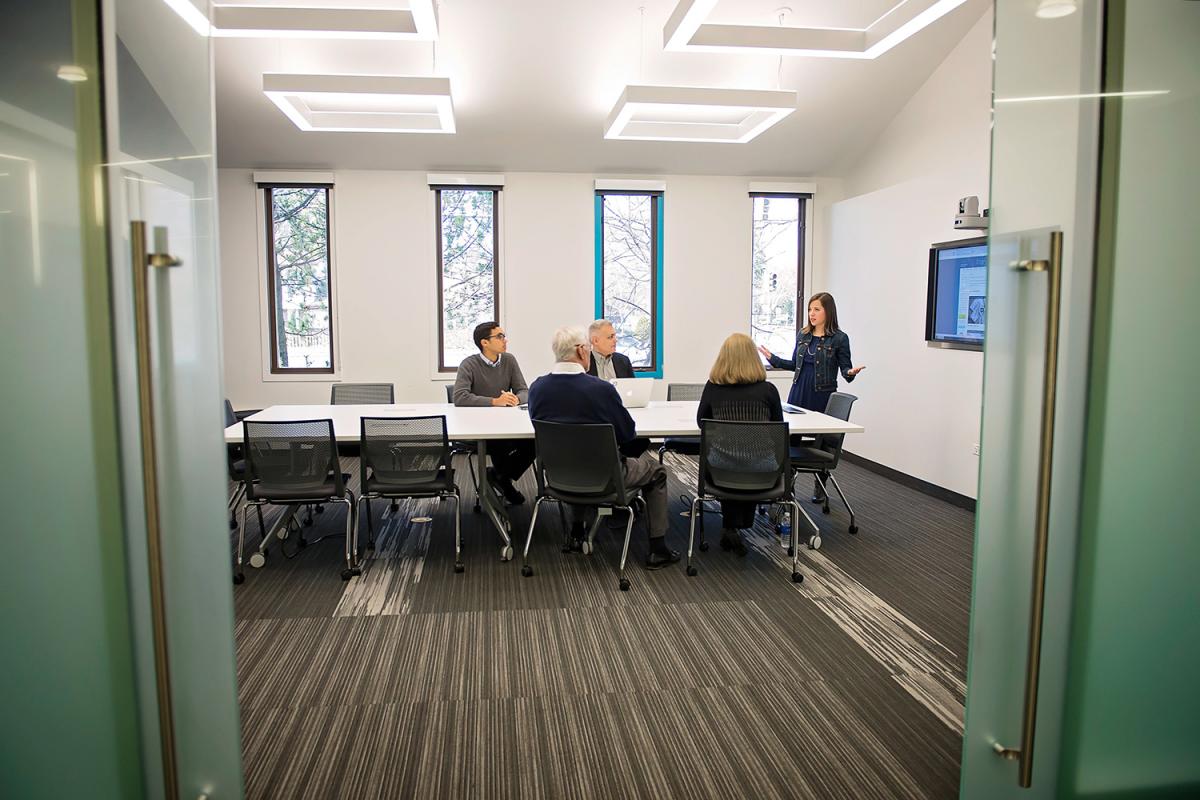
(695,114)
(686,30)
(363,103)
(418,22)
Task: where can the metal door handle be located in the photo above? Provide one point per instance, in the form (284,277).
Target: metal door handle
(1052,266)
(140,261)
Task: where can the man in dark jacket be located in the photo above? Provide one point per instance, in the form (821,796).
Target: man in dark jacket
(607,363)
(569,394)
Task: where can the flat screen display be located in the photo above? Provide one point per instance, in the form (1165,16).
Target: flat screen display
(956,313)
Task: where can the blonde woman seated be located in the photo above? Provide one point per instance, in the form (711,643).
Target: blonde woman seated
(737,390)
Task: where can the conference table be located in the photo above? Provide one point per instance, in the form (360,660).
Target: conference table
(659,419)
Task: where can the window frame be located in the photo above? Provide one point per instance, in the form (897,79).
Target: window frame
(442,367)
(655,370)
(802,210)
(269,210)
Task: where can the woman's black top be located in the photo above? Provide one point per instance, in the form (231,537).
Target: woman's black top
(740,402)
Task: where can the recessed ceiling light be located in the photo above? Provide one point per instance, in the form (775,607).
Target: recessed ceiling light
(1053,9)
(687,30)
(72,74)
(417,22)
(363,103)
(694,114)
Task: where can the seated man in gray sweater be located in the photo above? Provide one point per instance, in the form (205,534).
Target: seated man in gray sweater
(493,378)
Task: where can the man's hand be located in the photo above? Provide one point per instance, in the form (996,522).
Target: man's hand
(506,399)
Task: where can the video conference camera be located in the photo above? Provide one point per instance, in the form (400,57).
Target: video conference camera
(968,217)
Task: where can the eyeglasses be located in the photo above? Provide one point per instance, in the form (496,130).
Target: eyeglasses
(499,336)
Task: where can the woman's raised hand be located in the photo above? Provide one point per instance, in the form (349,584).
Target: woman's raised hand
(767,354)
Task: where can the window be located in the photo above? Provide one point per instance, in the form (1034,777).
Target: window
(298,277)
(468,236)
(629,273)
(777,283)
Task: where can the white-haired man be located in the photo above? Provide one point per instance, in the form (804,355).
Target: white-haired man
(607,363)
(569,394)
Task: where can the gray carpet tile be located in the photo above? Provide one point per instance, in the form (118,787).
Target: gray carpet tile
(414,681)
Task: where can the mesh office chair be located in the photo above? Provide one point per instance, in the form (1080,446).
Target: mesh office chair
(745,461)
(407,458)
(236,467)
(295,463)
(683,445)
(467,449)
(822,457)
(348,394)
(580,465)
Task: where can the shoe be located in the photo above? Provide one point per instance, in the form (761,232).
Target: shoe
(818,495)
(506,488)
(732,540)
(574,544)
(656,560)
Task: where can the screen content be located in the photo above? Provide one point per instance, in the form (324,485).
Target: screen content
(960,294)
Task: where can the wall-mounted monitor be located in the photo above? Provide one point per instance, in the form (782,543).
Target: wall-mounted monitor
(956,308)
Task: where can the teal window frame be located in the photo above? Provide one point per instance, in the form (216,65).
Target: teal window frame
(656,369)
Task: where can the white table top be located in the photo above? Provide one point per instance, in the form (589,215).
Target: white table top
(660,418)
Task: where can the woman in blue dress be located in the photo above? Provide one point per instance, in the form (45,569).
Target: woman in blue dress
(822,351)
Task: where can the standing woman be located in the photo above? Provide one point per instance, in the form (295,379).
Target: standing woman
(822,350)
(737,390)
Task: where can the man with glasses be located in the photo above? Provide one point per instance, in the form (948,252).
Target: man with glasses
(493,378)
(607,363)
(569,394)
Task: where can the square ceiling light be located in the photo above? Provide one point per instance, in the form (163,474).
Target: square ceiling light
(363,103)
(692,114)
(418,22)
(686,30)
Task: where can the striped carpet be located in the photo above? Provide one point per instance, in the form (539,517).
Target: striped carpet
(412,681)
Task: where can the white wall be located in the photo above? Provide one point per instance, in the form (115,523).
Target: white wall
(920,405)
(385,290)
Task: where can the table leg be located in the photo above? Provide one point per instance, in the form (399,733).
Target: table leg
(492,506)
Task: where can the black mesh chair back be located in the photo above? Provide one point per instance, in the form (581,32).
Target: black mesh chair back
(839,406)
(741,411)
(403,453)
(449,392)
(684,391)
(292,461)
(743,457)
(344,394)
(579,463)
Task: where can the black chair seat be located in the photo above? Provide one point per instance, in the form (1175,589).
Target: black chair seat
(761,496)
(237,469)
(444,482)
(315,494)
(579,499)
(810,457)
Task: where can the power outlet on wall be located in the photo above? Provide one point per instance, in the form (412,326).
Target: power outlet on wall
(975,449)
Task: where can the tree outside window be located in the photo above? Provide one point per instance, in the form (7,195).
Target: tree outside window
(467,269)
(299,273)
(777,270)
(629,272)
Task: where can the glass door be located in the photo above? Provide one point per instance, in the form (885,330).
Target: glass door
(162,229)
(1045,141)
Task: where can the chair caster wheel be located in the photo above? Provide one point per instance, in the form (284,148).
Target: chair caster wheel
(814,543)
(506,553)
(854,529)
(320,509)
(825,509)
(239,579)
(791,550)
(585,547)
(349,573)
(691,572)
(477,509)
(526,571)
(797,577)
(394,505)
(233,524)
(703,547)
(459,567)
(259,560)
(624,584)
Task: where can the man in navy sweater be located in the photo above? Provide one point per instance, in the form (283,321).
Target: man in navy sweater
(569,394)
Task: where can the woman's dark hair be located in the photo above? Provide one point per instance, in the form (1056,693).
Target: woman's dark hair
(483,331)
(826,301)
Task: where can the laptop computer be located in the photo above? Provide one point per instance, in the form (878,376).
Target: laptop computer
(635,392)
